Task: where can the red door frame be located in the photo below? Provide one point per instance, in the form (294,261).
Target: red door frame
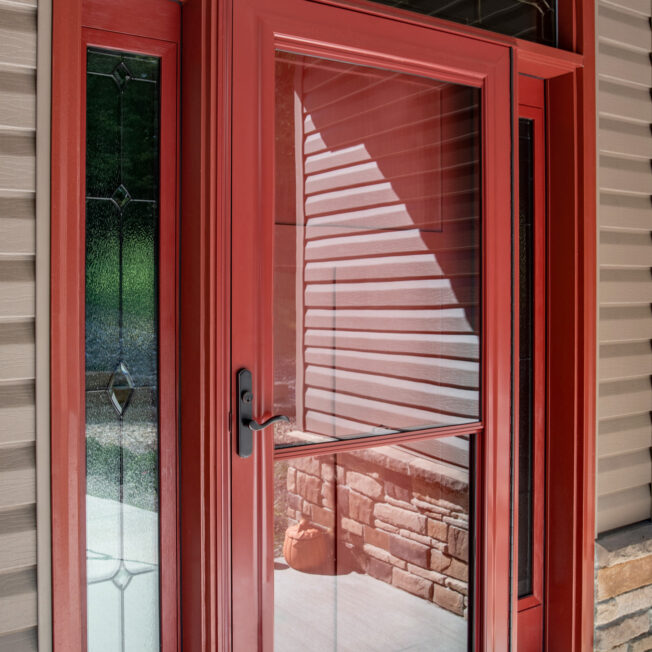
(569,76)
(75,27)
(315,29)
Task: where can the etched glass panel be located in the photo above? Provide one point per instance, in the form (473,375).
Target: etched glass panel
(377,274)
(122,456)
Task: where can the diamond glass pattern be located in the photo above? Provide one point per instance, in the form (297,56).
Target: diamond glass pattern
(121,197)
(121,388)
(121,75)
(122,578)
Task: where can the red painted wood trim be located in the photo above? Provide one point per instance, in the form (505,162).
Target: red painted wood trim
(68,458)
(205,492)
(156,19)
(67,330)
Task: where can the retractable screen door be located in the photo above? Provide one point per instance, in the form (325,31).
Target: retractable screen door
(371,333)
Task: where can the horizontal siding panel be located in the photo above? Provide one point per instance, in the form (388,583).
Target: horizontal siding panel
(454,346)
(17,537)
(618,98)
(629,175)
(624,435)
(380,412)
(625,211)
(624,397)
(639,6)
(398,319)
(617,61)
(330,425)
(626,471)
(17,226)
(17,288)
(627,27)
(17,420)
(17,350)
(462,402)
(624,508)
(17,161)
(18,98)
(621,136)
(17,35)
(625,360)
(622,323)
(17,600)
(436,370)
(25,641)
(394,267)
(427,292)
(625,286)
(17,475)
(626,248)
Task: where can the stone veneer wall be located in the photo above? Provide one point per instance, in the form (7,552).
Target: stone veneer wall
(623,612)
(403,518)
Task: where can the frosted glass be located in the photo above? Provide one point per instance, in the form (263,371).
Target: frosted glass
(122,442)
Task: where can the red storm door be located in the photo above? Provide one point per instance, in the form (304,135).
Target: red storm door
(371,313)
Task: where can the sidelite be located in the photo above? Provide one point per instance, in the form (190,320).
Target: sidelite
(122,432)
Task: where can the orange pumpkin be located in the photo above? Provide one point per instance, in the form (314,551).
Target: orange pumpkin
(306,547)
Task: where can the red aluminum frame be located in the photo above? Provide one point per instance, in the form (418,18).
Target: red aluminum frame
(92,25)
(569,76)
(316,30)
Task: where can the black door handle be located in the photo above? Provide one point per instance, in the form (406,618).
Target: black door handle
(247,425)
(255,426)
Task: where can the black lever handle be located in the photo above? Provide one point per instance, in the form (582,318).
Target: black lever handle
(247,425)
(255,426)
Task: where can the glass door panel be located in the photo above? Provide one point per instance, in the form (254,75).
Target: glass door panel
(371,549)
(377,278)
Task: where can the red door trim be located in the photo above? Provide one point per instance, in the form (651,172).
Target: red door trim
(68,462)
(205,472)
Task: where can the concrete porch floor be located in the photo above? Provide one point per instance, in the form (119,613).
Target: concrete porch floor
(357,613)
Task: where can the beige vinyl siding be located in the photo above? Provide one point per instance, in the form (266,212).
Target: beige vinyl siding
(625,259)
(18,535)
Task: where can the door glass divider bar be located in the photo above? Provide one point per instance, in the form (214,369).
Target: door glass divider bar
(357,443)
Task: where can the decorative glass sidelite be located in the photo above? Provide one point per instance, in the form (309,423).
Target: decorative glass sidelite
(122,433)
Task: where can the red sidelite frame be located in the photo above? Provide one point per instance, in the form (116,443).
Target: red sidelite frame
(204,328)
(297,26)
(530,608)
(99,25)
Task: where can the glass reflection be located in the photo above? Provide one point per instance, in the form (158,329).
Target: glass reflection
(376,251)
(122,540)
(533,20)
(372,549)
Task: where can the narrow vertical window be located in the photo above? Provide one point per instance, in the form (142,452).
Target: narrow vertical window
(526,358)
(122,376)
